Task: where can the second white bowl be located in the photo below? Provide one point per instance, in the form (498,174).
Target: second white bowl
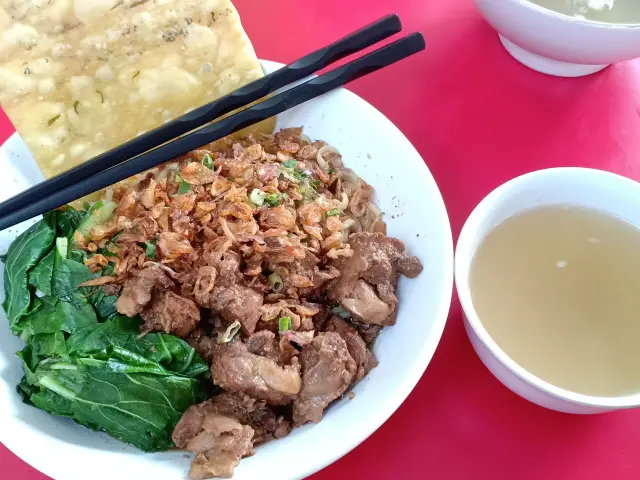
(584,187)
(558,44)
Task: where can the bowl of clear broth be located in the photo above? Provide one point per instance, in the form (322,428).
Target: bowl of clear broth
(568,38)
(548,273)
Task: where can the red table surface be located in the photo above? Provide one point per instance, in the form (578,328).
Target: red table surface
(478,118)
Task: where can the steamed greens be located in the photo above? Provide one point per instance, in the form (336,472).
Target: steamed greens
(82,360)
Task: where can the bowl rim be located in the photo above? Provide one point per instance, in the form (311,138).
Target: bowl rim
(577,20)
(463,249)
(411,377)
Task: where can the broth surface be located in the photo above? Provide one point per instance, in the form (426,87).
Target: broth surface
(609,11)
(558,289)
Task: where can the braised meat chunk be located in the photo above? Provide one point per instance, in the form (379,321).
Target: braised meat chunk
(327,372)
(377,261)
(170,313)
(238,303)
(266,424)
(358,350)
(219,441)
(237,370)
(137,290)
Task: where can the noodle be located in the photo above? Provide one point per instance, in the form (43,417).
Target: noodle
(319,156)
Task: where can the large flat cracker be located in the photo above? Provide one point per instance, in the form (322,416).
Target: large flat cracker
(79,77)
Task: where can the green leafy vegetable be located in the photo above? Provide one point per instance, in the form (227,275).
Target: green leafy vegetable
(40,276)
(104,305)
(284,324)
(67,221)
(84,361)
(49,345)
(53,120)
(138,408)
(23,254)
(333,212)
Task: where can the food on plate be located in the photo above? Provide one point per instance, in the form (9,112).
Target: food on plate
(250,277)
(78,78)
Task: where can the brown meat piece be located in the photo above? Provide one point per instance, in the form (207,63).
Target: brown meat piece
(358,350)
(254,413)
(264,343)
(363,303)
(368,332)
(327,372)
(137,290)
(238,303)
(237,370)
(219,440)
(190,424)
(170,313)
(378,261)
(202,343)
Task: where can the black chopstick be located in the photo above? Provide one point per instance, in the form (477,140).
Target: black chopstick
(305,66)
(286,100)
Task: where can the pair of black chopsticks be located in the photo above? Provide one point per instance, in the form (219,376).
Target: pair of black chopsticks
(151,149)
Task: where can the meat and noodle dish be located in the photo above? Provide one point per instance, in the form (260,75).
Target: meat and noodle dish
(245,281)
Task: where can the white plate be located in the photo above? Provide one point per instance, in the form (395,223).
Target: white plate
(415,213)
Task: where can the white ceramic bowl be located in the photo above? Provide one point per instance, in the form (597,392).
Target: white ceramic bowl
(405,190)
(604,191)
(558,44)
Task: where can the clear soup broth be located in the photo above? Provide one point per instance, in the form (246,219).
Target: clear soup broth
(558,289)
(609,11)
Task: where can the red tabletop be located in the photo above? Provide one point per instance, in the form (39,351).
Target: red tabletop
(478,118)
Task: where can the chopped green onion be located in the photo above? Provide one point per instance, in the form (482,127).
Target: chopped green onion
(341,312)
(314,184)
(331,171)
(257,197)
(230,179)
(276,282)
(184,188)
(135,75)
(52,120)
(289,164)
(231,332)
(272,199)
(150,250)
(333,212)
(75,106)
(101,96)
(184,185)
(207,161)
(284,324)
